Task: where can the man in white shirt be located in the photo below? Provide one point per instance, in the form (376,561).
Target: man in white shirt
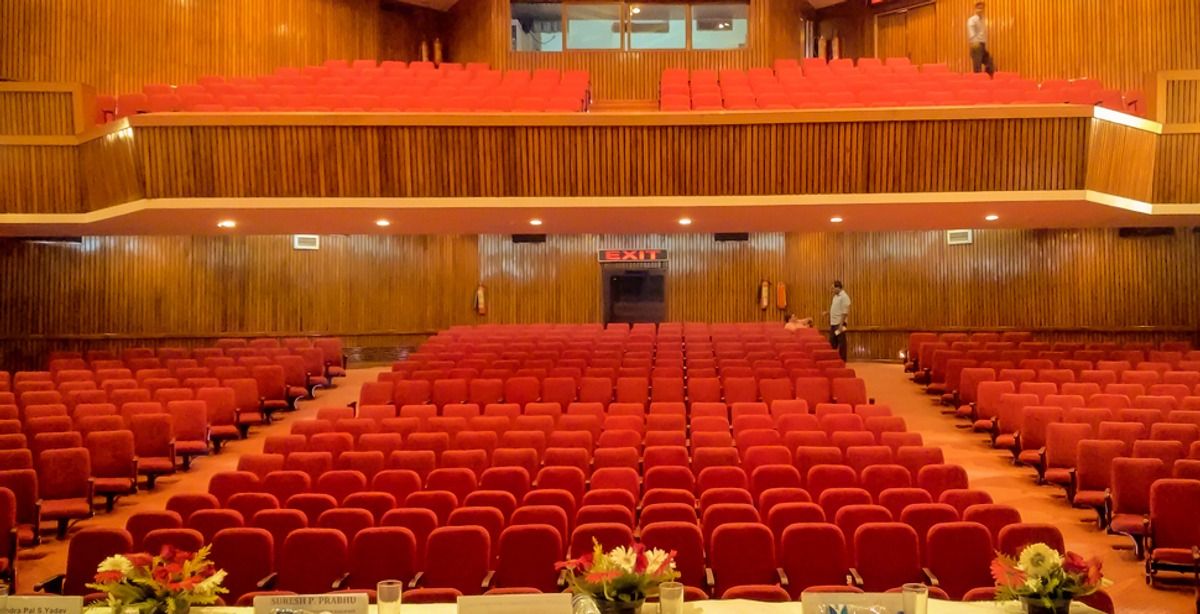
(977,37)
(839,311)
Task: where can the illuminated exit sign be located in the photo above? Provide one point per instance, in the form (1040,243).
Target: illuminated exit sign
(633,255)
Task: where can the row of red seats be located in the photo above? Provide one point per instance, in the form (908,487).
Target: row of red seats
(392,86)
(816,84)
(1133,458)
(639,390)
(919,354)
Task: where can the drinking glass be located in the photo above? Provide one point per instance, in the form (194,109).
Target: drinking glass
(916,598)
(670,598)
(387,596)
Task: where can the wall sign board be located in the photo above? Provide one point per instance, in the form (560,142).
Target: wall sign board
(632,255)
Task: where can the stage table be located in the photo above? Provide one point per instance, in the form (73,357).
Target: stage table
(731,606)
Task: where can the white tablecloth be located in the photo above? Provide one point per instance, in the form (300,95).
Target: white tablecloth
(730,606)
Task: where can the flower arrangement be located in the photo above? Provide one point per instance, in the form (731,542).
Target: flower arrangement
(170,583)
(1045,579)
(623,576)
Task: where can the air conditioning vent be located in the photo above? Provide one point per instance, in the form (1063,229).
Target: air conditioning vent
(731,236)
(310,242)
(960,237)
(529,238)
(1142,233)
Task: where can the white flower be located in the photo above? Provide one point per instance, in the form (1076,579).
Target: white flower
(624,558)
(1039,560)
(116,563)
(1033,584)
(654,560)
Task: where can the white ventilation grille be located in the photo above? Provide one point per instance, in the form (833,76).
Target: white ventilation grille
(959,237)
(306,242)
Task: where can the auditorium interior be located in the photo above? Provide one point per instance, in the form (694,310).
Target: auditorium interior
(840,295)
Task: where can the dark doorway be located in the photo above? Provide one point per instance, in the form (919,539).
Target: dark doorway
(635,295)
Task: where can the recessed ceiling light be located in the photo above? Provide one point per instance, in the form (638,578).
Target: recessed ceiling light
(635,10)
(685,221)
(226,224)
(836,220)
(991,218)
(382,223)
(535,222)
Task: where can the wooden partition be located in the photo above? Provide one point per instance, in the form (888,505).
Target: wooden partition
(121,45)
(477,31)
(122,291)
(1117,42)
(833,152)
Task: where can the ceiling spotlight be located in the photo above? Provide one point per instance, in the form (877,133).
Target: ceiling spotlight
(836,220)
(635,10)
(685,221)
(226,224)
(991,218)
(382,223)
(535,222)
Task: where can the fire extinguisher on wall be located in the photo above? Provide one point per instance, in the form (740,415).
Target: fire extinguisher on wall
(764,295)
(481,300)
(780,295)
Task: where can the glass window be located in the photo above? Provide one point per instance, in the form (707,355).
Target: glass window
(657,26)
(537,27)
(719,26)
(594,26)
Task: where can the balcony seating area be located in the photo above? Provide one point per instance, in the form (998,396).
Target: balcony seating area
(813,83)
(364,86)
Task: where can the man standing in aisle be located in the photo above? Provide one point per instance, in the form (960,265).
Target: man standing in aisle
(839,310)
(977,36)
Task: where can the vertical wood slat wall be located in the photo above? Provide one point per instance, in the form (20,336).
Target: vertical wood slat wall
(1059,281)
(36,113)
(478,32)
(808,158)
(121,45)
(1122,160)
(1118,43)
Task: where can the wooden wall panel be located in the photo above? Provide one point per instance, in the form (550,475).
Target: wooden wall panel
(1183,102)
(39,179)
(1065,280)
(403,27)
(1065,284)
(133,287)
(1177,177)
(921,33)
(36,113)
(891,35)
(477,32)
(614,160)
(121,181)
(120,45)
(561,281)
(1121,160)
(1118,43)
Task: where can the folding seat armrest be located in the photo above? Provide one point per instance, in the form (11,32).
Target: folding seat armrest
(52,585)
(268,582)
(487,580)
(833,399)
(933,580)
(416,580)
(340,582)
(709,580)
(91,488)
(974,411)
(854,578)
(870,400)
(783,579)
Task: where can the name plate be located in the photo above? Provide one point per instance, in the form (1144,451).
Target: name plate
(45,605)
(342,603)
(558,603)
(852,603)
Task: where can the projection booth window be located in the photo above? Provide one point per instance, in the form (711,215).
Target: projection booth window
(720,26)
(658,26)
(537,26)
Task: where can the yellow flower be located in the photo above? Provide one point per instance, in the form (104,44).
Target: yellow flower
(1040,560)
